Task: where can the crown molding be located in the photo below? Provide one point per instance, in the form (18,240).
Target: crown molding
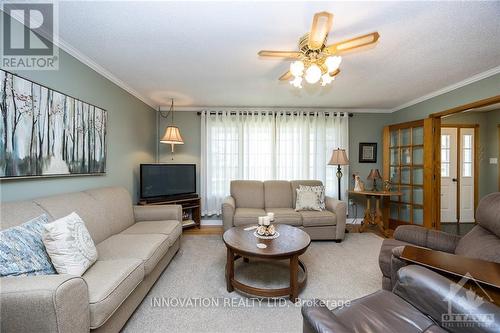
(463,83)
(80,56)
(68,48)
(270,109)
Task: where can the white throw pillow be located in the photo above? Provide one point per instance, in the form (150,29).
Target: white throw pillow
(320,192)
(69,245)
(307,200)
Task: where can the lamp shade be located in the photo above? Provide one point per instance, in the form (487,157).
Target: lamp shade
(339,157)
(173,136)
(374,174)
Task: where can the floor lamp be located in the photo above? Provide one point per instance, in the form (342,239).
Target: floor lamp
(339,157)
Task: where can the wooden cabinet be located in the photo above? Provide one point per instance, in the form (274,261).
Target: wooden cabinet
(191,210)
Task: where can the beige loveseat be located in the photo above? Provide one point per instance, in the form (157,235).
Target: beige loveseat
(134,244)
(250,199)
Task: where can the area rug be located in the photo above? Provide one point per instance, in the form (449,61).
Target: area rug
(191,295)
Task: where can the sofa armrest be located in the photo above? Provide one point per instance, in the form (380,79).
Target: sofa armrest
(318,319)
(228,208)
(432,239)
(44,303)
(340,209)
(158,213)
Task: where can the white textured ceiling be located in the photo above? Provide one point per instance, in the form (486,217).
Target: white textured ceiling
(205,53)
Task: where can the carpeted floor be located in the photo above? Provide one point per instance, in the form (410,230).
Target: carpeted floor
(191,294)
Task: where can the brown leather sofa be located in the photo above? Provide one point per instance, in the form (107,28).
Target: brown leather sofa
(419,302)
(250,199)
(482,242)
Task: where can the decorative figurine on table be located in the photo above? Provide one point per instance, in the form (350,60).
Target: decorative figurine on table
(387,185)
(359,185)
(374,175)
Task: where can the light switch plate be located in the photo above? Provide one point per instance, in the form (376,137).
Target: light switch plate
(493,160)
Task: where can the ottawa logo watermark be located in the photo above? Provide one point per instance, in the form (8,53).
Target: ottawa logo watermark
(29,32)
(459,294)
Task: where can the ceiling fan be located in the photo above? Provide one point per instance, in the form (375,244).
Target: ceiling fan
(315,60)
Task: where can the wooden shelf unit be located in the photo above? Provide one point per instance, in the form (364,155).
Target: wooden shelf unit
(189,205)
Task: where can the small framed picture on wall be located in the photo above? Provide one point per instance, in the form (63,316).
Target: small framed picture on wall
(367,152)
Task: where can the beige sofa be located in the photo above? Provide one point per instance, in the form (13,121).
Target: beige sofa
(134,244)
(250,199)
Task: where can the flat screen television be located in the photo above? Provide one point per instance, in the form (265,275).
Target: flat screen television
(167,180)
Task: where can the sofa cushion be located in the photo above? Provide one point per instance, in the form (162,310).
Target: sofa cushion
(315,218)
(150,248)
(109,283)
(92,212)
(385,255)
(296,183)
(278,193)
(383,311)
(244,216)
(248,193)
(479,243)
(171,228)
(286,216)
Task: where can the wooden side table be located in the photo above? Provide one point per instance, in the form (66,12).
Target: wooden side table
(380,216)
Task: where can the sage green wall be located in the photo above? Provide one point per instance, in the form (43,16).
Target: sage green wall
(478,90)
(362,128)
(130,132)
(488,145)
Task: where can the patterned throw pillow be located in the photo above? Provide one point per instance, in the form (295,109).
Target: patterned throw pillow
(320,192)
(69,245)
(22,251)
(307,200)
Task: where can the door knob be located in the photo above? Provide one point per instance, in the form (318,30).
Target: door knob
(454,180)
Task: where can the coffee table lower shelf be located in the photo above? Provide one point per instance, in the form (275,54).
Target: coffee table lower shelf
(292,291)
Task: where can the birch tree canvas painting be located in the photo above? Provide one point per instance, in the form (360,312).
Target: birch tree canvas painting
(46,133)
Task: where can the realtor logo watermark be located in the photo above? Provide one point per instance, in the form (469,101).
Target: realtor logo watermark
(29,31)
(474,319)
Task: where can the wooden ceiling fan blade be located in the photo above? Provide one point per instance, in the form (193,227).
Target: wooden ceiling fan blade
(335,72)
(322,23)
(280,54)
(353,43)
(287,76)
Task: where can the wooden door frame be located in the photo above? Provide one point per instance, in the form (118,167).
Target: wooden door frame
(476,163)
(437,144)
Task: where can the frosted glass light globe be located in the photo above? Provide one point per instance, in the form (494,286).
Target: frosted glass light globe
(326,79)
(296,82)
(297,68)
(313,74)
(333,63)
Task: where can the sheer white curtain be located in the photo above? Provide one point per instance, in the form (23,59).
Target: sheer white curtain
(268,145)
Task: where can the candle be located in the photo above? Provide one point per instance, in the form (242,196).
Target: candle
(271,216)
(267,220)
(261,220)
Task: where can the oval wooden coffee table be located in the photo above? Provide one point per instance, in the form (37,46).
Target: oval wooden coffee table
(291,243)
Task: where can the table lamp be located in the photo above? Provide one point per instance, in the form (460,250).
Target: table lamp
(374,175)
(339,157)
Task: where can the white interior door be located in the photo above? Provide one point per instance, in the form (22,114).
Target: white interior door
(449,175)
(466,175)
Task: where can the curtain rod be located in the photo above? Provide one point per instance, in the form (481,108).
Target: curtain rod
(286,113)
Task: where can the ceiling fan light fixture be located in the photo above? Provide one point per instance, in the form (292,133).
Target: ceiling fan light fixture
(333,63)
(326,79)
(297,68)
(296,82)
(313,74)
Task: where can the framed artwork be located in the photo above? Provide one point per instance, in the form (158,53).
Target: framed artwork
(367,152)
(46,133)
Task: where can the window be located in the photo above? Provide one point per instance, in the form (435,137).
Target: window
(467,156)
(445,155)
(268,145)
